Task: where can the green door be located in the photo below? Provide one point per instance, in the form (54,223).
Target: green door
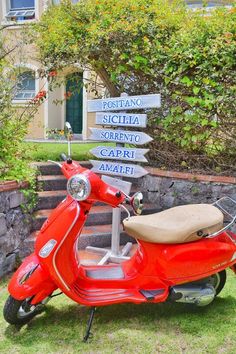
(74,102)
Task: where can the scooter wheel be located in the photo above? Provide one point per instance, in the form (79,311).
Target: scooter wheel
(220,279)
(20,312)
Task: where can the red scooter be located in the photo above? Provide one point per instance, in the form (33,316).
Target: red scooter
(181,254)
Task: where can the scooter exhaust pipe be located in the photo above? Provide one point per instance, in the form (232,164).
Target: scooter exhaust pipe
(200,295)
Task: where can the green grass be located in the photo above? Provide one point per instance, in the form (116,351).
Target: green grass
(52,151)
(128,328)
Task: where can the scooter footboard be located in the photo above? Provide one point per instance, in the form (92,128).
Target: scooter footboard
(31,280)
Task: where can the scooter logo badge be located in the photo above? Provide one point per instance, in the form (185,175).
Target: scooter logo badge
(47,248)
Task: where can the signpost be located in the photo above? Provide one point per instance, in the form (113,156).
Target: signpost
(120,136)
(120,152)
(124,103)
(121,119)
(118,169)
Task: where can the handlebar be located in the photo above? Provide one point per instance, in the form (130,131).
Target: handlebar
(101,191)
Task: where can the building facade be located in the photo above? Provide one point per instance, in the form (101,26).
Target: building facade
(51,114)
(14,14)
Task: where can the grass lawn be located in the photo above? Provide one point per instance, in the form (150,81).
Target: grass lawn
(52,151)
(128,328)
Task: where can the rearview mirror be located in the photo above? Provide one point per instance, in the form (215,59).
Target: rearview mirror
(68,134)
(137,203)
(68,131)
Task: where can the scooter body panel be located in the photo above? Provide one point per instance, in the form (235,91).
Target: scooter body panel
(31,279)
(178,263)
(56,242)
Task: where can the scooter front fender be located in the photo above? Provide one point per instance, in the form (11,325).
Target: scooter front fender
(31,279)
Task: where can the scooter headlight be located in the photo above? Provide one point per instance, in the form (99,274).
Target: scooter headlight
(78,186)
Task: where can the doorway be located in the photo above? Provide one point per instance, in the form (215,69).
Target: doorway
(74,102)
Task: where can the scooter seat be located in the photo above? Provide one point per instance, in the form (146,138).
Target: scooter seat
(181,224)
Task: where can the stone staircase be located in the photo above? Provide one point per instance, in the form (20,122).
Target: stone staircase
(52,190)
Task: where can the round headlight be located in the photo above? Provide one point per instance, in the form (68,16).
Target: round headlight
(78,186)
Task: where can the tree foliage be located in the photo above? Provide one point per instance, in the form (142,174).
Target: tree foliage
(150,46)
(13,122)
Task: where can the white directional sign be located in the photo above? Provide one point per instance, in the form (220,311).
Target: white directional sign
(121,119)
(120,153)
(118,183)
(120,136)
(124,103)
(112,113)
(118,169)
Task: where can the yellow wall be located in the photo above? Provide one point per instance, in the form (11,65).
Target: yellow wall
(49,114)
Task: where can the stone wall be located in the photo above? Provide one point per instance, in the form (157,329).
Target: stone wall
(15,225)
(164,189)
(168,188)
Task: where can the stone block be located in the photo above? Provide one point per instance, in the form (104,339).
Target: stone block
(8,264)
(3,224)
(16,198)
(4,202)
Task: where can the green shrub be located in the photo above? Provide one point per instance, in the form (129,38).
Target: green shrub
(149,46)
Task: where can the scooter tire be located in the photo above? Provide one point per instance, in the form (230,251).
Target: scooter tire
(11,311)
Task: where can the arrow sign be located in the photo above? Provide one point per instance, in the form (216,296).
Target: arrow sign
(120,136)
(124,103)
(118,169)
(121,119)
(120,153)
(118,183)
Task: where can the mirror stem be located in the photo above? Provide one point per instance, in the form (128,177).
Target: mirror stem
(69,147)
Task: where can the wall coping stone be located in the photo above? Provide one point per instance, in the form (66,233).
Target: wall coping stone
(6,186)
(190,176)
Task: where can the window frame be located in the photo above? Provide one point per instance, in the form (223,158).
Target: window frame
(33,69)
(14,14)
(6,8)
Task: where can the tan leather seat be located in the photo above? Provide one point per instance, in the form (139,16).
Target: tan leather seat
(180,224)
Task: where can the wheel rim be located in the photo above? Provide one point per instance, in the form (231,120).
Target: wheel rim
(26,309)
(214,280)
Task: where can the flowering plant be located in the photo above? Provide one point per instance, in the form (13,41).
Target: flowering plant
(56,134)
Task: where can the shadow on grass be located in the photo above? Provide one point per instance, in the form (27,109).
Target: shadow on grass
(69,323)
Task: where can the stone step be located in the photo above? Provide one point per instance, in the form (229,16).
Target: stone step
(97,236)
(100,236)
(51,198)
(49,168)
(56,182)
(51,182)
(99,215)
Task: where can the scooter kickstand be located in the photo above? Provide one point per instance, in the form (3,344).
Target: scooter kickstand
(89,325)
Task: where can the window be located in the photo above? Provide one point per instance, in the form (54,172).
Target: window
(194,4)
(21,10)
(25,88)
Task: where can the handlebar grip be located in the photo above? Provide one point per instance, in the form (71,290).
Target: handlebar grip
(63,157)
